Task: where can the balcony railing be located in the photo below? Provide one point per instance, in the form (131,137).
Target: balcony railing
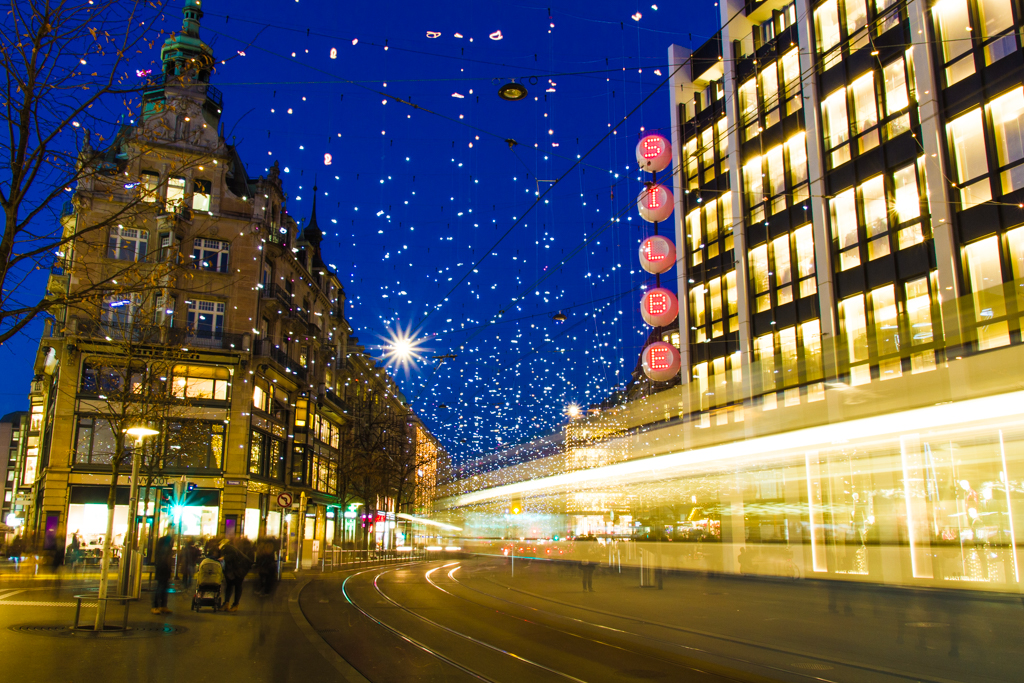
(267,349)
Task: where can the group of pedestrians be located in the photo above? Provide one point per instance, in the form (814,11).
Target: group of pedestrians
(220,562)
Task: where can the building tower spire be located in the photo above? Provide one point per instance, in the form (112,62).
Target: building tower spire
(312,232)
(185,55)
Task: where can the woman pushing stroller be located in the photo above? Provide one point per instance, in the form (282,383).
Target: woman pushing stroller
(209,578)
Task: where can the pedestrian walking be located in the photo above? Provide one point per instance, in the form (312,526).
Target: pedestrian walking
(587,565)
(189,558)
(163,567)
(266,568)
(236,566)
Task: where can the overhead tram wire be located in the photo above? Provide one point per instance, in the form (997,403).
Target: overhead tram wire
(573,253)
(395,98)
(550,187)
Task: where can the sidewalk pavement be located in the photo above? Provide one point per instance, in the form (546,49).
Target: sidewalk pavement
(945,634)
(263,641)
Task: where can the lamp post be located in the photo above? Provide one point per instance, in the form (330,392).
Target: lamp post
(126,575)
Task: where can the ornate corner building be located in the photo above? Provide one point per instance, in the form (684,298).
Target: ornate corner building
(181,268)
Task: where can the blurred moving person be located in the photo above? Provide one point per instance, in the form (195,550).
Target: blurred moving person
(236,566)
(163,567)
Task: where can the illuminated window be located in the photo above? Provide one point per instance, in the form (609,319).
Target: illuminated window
(722,131)
(150,186)
(966,137)
(731,300)
(810,334)
(796,150)
(855,334)
(175,191)
(690,155)
(200,382)
(919,320)
(128,244)
(711,221)
(748,108)
(826,26)
(843,209)
(887,331)
(908,199)
(985,275)
(791,80)
(856,15)
(782,269)
(865,111)
(698,312)
(997,18)
(770,94)
(954,29)
(1007,112)
(836,127)
(896,96)
(776,178)
(201,190)
(764,359)
(753,184)
(195,444)
(759,274)
(694,232)
(726,213)
(907,205)
(876,222)
(301,410)
(805,260)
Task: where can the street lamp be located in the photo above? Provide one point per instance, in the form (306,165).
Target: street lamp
(140,432)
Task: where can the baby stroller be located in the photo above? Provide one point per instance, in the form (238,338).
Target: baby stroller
(208,579)
(207,595)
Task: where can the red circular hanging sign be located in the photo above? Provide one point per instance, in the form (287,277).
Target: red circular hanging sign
(655,203)
(653,153)
(657,254)
(661,361)
(659,307)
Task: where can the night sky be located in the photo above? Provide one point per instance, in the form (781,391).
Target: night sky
(432,221)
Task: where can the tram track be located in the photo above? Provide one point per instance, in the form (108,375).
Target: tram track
(418,642)
(714,636)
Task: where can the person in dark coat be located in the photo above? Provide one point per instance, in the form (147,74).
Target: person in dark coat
(189,558)
(266,567)
(236,566)
(163,567)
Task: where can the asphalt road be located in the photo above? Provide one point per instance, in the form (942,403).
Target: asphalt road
(470,619)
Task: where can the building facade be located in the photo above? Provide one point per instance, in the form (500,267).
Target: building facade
(848,193)
(16,475)
(208,294)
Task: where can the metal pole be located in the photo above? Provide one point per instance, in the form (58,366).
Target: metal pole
(124,578)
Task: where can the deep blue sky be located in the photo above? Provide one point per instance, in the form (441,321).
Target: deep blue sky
(412,199)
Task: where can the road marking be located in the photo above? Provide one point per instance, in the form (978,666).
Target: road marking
(7,595)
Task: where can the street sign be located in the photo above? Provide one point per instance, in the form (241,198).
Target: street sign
(284,499)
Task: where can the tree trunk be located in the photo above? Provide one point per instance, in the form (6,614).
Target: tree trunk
(101,604)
